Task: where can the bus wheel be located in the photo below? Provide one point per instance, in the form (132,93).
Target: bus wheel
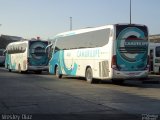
(117,82)
(19,68)
(38,71)
(8,68)
(57,73)
(89,75)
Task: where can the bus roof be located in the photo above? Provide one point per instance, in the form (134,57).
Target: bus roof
(89,29)
(23,41)
(79,31)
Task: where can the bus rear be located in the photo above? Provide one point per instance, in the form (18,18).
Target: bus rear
(38,58)
(130,57)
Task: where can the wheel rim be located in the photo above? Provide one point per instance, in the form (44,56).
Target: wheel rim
(57,74)
(19,68)
(89,75)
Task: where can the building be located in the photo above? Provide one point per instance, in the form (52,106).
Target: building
(6,39)
(155,38)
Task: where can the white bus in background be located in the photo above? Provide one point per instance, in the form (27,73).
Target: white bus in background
(27,55)
(154,51)
(2,57)
(116,52)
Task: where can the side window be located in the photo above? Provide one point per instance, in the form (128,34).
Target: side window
(19,48)
(92,39)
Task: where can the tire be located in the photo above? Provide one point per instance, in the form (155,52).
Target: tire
(9,68)
(57,72)
(38,71)
(89,75)
(19,68)
(117,82)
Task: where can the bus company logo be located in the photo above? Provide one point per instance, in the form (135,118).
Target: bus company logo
(37,51)
(134,42)
(130,42)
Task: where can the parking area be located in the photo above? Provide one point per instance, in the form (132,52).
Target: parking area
(46,97)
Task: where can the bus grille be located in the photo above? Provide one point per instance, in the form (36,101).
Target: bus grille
(103,69)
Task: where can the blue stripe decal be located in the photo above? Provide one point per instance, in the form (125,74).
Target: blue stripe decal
(58,59)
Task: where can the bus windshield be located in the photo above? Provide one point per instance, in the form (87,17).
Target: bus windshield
(132,47)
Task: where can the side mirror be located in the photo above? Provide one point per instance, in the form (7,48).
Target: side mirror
(48,48)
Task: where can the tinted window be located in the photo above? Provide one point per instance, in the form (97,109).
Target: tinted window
(16,48)
(122,27)
(157,51)
(84,40)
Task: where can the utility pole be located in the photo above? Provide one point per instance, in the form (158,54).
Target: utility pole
(70,23)
(130,11)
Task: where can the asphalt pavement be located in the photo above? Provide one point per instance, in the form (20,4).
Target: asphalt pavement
(44,97)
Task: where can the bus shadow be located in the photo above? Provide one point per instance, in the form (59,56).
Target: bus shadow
(150,83)
(137,84)
(31,73)
(74,78)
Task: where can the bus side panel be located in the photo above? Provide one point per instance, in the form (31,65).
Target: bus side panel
(75,62)
(22,60)
(53,62)
(59,60)
(9,62)
(65,64)
(15,61)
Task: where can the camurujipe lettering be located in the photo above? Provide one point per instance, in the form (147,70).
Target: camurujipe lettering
(135,43)
(88,53)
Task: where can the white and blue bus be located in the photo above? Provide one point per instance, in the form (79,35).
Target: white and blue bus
(115,52)
(27,55)
(154,50)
